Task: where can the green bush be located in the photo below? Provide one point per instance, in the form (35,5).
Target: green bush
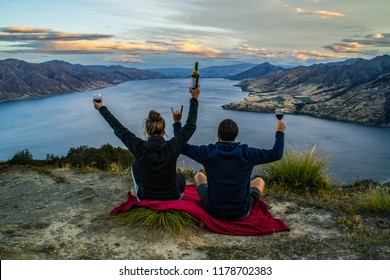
(22,157)
(300,170)
(102,158)
(376,201)
(106,158)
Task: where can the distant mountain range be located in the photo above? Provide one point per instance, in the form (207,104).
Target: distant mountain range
(257,71)
(354,90)
(225,71)
(22,80)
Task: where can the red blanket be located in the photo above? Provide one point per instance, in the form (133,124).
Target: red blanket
(259,222)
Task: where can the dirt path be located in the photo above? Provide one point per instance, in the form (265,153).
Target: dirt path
(41,218)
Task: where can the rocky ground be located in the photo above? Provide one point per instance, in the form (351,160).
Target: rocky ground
(63,214)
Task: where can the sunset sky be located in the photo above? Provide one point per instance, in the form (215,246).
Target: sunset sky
(172,33)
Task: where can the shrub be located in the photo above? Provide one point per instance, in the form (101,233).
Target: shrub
(55,161)
(104,158)
(22,157)
(300,170)
(376,201)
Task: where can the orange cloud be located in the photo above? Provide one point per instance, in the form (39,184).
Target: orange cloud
(323,14)
(302,55)
(378,36)
(246,47)
(199,50)
(351,47)
(24,29)
(84,46)
(128,58)
(27,33)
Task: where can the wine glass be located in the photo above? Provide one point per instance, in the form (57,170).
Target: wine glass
(279,113)
(97,97)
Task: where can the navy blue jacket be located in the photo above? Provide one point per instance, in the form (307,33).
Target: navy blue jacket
(229,166)
(156,156)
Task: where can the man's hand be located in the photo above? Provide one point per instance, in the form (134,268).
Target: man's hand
(281,126)
(195,92)
(98,105)
(177,114)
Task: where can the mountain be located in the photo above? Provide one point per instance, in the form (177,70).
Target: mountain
(21,80)
(257,71)
(356,91)
(208,72)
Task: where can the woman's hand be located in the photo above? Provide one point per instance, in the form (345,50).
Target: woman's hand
(177,114)
(98,105)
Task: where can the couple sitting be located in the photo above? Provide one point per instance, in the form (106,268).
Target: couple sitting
(227,192)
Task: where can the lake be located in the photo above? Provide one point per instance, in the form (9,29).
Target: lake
(53,125)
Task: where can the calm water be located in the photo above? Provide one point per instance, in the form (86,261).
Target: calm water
(55,124)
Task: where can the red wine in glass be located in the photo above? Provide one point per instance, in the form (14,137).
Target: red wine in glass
(279,114)
(97,97)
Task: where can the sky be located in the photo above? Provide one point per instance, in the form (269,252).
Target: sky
(172,33)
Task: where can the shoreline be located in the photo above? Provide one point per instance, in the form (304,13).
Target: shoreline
(23,98)
(306,114)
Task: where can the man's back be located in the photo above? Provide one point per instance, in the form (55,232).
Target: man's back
(229,166)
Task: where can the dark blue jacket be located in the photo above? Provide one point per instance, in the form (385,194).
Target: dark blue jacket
(229,166)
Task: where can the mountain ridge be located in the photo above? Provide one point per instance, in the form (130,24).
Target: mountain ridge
(22,80)
(357,92)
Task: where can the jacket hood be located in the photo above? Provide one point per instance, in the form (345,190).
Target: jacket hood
(155,143)
(227,145)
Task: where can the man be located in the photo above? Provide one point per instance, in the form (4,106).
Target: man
(227,192)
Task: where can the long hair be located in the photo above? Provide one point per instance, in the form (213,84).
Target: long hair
(154,123)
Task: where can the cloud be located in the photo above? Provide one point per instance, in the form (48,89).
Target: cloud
(27,33)
(246,47)
(288,55)
(362,45)
(199,50)
(24,29)
(323,14)
(126,58)
(347,47)
(377,39)
(44,40)
(85,46)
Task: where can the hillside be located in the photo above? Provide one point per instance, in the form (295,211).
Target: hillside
(357,91)
(63,214)
(257,72)
(22,80)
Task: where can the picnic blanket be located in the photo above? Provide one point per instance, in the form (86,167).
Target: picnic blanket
(259,222)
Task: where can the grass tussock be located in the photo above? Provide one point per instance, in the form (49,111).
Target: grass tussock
(172,222)
(300,170)
(351,223)
(376,201)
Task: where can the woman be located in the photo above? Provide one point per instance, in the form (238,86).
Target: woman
(154,169)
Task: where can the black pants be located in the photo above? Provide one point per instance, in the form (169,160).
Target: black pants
(181,180)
